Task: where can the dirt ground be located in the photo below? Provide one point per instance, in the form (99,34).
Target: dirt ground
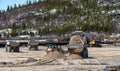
(27,60)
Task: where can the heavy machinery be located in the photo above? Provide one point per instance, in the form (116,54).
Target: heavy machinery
(54,45)
(91,40)
(12,46)
(115,41)
(78,44)
(33,44)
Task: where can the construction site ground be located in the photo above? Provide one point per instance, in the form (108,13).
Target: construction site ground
(99,58)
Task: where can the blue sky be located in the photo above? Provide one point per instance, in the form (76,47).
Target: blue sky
(5,3)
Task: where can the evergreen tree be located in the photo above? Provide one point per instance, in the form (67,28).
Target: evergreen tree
(24,26)
(27,2)
(14,30)
(11,8)
(19,6)
(30,2)
(0,11)
(15,6)
(8,8)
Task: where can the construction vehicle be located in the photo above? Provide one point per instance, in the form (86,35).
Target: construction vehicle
(116,41)
(91,41)
(54,45)
(12,46)
(78,44)
(33,44)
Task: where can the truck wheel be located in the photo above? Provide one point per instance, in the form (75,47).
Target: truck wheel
(84,53)
(29,48)
(32,48)
(8,49)
(16,49)
(36,47)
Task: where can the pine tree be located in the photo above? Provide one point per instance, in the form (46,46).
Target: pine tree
(15,6)
(8,8)
(19,5)
(11,8)
(29,3)
(24,26)
(14,30)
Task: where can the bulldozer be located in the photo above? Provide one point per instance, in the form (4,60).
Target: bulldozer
(33,44)
(78,44)
(12,46)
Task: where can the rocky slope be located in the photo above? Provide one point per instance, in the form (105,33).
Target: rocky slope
(63,12)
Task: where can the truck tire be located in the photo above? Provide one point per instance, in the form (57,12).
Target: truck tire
(36,47)
(29,47)
(8,49)
(17,49)
(84,53)
(32,48)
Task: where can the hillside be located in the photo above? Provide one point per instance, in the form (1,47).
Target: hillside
(66,15)
(18,15)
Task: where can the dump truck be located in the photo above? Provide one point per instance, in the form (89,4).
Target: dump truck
(12,46)
(91,40)
(78,44)
(33,44)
